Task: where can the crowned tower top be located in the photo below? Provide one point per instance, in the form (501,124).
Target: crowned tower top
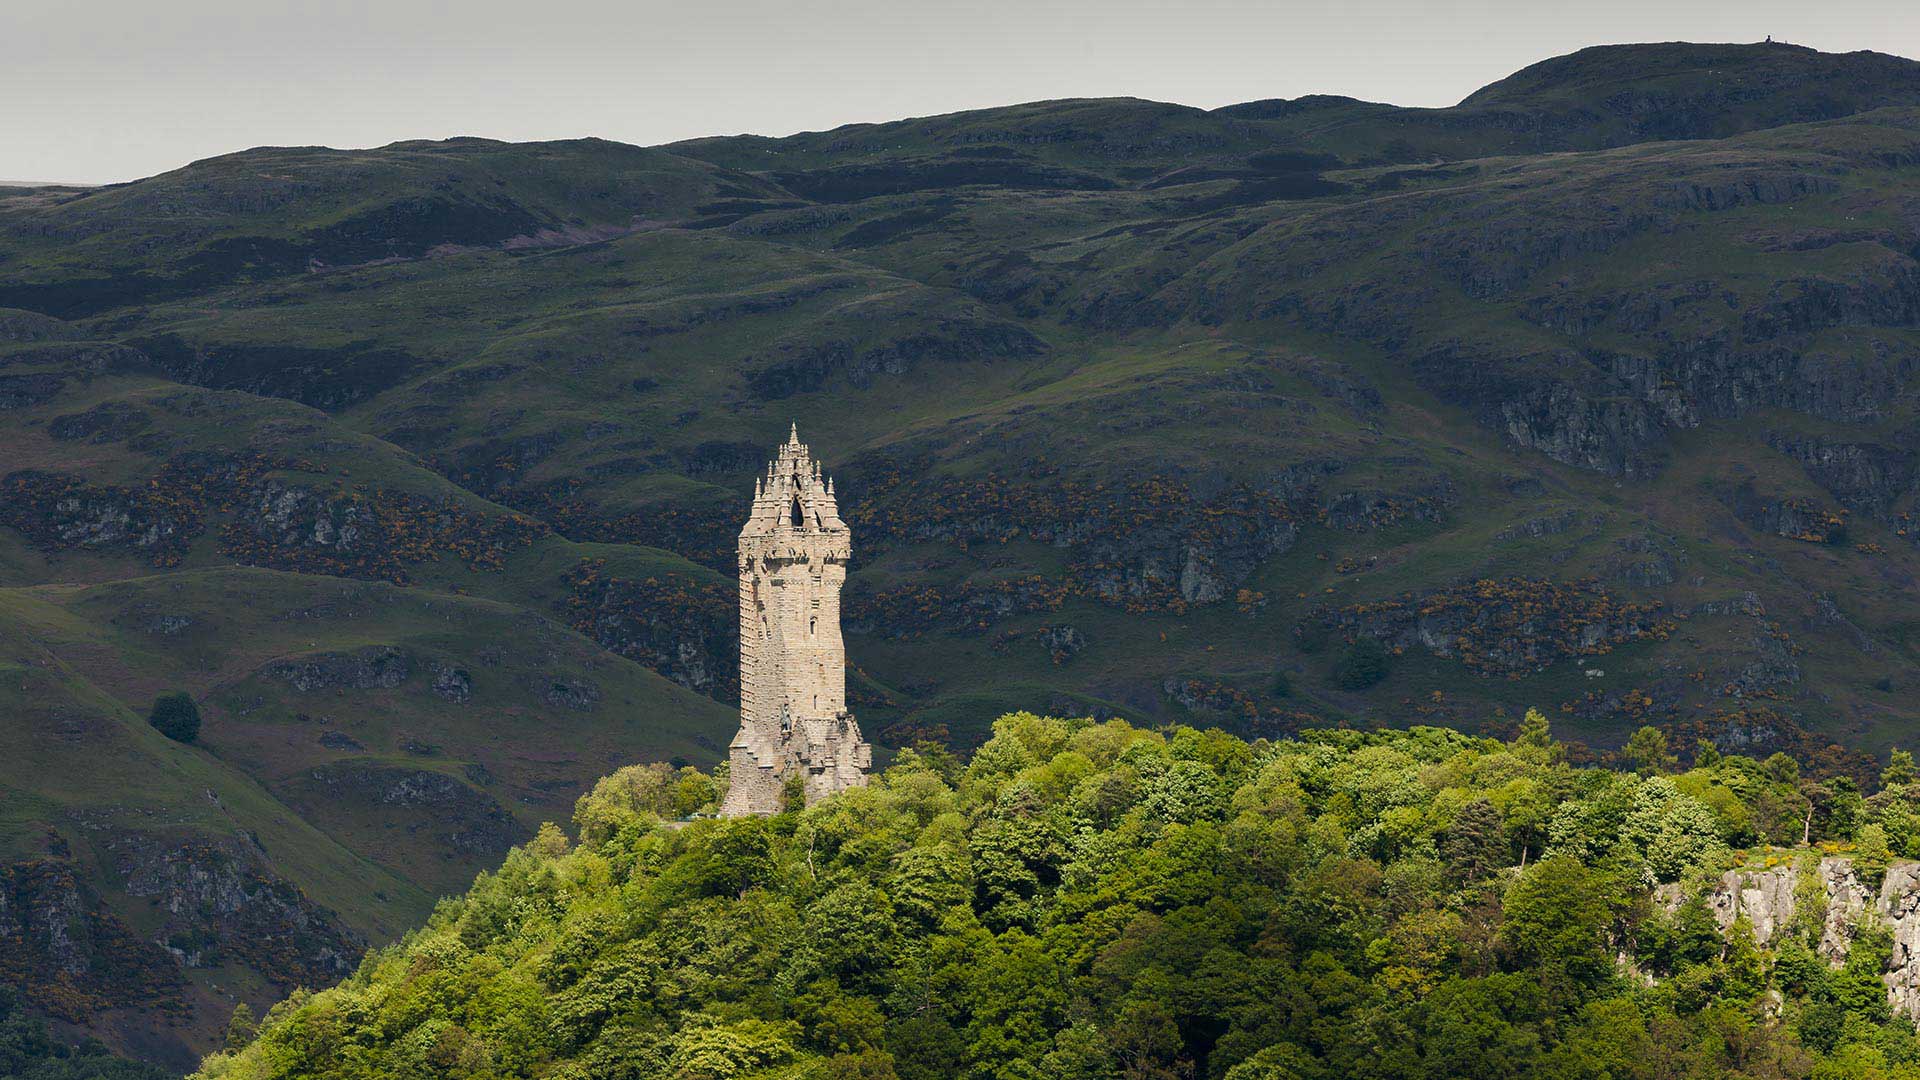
(794,510)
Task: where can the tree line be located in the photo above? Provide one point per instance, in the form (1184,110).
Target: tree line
(1091,900)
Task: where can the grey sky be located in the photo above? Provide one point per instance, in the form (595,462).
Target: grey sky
(116,89)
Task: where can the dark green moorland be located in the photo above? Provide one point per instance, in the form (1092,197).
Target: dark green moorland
(418,467)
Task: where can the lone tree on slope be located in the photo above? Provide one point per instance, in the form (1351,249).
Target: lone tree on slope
(176,716)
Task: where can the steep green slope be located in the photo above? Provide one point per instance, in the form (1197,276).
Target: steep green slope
(365,749)
(1596,98)
(1595,391)
(1088,900)
(280,211)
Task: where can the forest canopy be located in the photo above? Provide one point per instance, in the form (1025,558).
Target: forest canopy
(1094,901)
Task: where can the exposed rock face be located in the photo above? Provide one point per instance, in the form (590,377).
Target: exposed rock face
(464,820)
(220,902)
(1794,519)
(1507,626)
(1866,477)
(685,629)
(376,666)
(26,391)
(66,951)
(107,422)
(1769,899)
(62,513)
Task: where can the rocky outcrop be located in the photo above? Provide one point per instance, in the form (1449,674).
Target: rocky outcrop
(17,325)
(1154,543)
(453,683)
(462,820)
(1552,524)
(374,534)
(1506,626)
(1062,642)
(26,391)
(684,629)
(1608,435)
(325,378)
(70,955)
(907,611)
(1769,900)
(61,513)
(1647,560)
(220,902)
(110,421)
(370,533)
(1788,517)
(1867,478)
(381,667)
(848,351)
(563,692)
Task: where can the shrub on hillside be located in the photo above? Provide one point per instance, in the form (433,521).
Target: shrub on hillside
(1364,663)
(176,716)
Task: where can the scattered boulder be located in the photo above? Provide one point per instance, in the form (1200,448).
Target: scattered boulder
(1062,642)
(453,684)
(168,625)
(578,694)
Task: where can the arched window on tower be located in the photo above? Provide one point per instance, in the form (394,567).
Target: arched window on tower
(799,516)
(813,627)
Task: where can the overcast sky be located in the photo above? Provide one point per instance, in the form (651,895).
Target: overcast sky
(116,89)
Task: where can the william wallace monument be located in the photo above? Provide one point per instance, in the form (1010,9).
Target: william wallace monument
(793,665)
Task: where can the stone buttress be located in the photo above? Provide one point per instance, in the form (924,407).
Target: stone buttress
(793,679)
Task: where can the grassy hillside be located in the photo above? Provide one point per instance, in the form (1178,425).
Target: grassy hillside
(420,467)
(365,749)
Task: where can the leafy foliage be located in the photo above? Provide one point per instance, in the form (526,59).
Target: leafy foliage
(1094,900)
(29,1052)
(1364,663)
(176,716)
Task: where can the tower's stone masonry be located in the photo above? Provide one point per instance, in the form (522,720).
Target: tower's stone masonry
(793,664)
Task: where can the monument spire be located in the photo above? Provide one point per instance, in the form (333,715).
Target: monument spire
(794,722)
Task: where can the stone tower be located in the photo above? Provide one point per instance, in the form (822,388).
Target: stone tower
(793,665)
